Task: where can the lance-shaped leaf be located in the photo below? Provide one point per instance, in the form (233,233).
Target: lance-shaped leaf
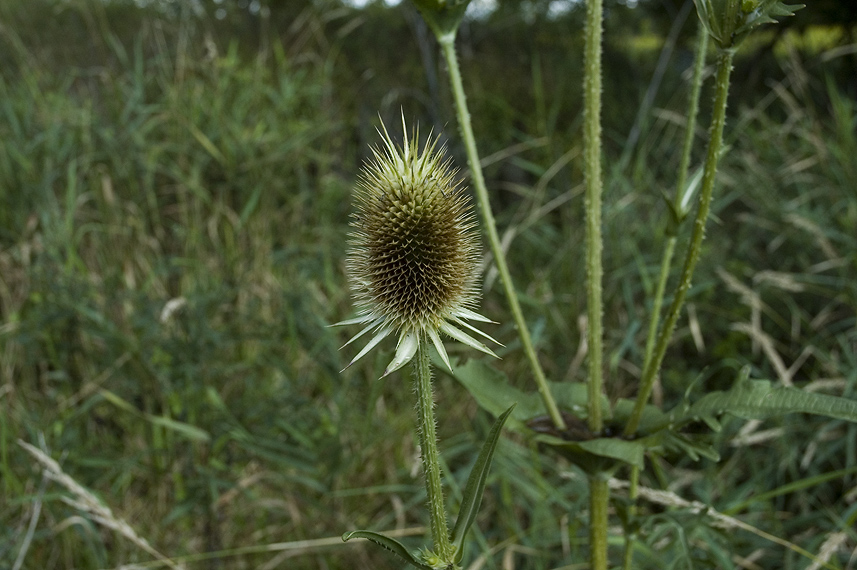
(390,544)
(611,448)
(472,497)
(759,400)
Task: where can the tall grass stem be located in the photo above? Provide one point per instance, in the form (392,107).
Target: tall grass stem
(447,44)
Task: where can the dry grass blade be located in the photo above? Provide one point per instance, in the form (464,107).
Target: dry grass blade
(89,503)
(31,528)
(767,343)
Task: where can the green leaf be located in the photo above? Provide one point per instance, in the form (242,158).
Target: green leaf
(119,402)
(472,498)
(652,419)
(390,544)
(631,452)
(693,446)
(759,400)
(191,432)
(495,394)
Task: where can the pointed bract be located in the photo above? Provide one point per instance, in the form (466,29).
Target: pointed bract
(372,343)
(409,342)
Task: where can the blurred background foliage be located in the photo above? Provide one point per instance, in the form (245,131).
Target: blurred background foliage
(174,195)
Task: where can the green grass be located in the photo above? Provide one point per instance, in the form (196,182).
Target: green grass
(156,170)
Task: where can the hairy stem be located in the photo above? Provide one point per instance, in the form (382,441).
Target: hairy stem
(592,178)
(715,141)
(599,493)
(447,44)
(681,181)
(430,456)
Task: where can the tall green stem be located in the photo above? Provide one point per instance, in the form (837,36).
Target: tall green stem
(599,499)
(681,182)
(715,141)
(592,178)
(666,263)
(669,249)
(430,456)
(692,110)
(599,492)
(447,44)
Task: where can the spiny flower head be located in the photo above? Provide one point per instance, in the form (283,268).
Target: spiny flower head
(414,251)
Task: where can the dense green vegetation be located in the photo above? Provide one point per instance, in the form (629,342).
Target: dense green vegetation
(174,201)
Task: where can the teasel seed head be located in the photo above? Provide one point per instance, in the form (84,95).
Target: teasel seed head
(413,261)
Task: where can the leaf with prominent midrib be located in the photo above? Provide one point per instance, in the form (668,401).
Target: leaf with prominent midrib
(390,544)
(760,400)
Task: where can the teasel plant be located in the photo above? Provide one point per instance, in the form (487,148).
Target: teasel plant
(404,189)
(413,265)
(597,448)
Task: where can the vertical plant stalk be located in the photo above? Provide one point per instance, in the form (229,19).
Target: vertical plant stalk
(599,493)
(429,453)
(684,163)
(599,499)
(592,178)
(447,44)
(669,250)
(715,141)
(692,110)
(657,304)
